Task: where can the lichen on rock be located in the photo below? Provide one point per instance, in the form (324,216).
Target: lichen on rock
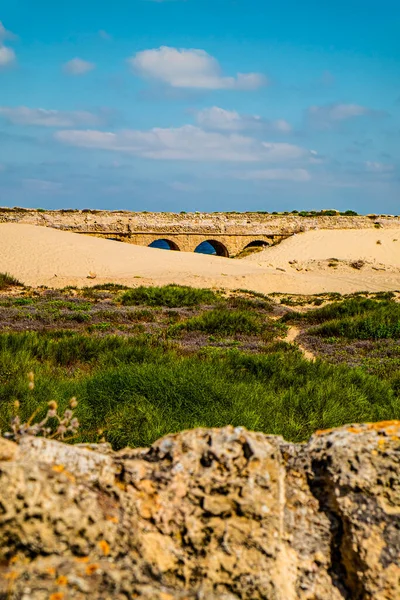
(216,514)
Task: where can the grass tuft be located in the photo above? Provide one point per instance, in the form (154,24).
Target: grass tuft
(7,281)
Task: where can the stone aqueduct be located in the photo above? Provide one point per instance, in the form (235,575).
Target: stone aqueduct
(224,244)
(228,233)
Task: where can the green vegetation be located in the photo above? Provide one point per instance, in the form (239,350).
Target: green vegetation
(135,390)
(145,362)
(7,280)
(381,323)
(356,318)
(173,296)
(347,308)
(227,322)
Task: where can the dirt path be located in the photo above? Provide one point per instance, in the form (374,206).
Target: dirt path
(293,333)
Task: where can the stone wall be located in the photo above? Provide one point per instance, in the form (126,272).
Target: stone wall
(235,231)
(204,515)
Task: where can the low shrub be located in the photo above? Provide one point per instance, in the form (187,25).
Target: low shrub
(380,324)
(222,321)
(7,280)
(172,296)
(338,310)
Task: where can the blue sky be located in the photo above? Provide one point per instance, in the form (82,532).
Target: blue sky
(200,105)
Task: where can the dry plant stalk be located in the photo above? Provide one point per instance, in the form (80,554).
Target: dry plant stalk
(67,423)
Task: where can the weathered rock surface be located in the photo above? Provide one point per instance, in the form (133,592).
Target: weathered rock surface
(205,514)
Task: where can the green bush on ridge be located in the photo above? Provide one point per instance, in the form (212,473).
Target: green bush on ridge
(346,308)
(355,318)
(225,322)
(381,324)
(172,296)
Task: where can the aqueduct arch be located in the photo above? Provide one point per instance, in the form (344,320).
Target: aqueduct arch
(170,243)
(258,244)
(219,247)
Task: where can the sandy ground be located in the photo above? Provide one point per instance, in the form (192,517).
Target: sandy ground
(43,256)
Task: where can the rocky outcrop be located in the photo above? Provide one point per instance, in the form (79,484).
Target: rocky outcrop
(204,514)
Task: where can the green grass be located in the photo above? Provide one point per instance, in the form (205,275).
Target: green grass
(138,386)
(355,318)
(172,296)
(222,321)
(346,308)
(138,389)
(7,280)
(381,323)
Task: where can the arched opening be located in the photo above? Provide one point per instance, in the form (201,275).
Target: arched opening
(164,245)
(212,247)
(257,244)
(252,247)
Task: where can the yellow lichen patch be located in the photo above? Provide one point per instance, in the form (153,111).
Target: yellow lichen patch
(112,519)
(62,469)
(353,429)
(51,571)
(69,476)
(11,575)
(91,569)
(390,427)
(296,474)
(82,559)
(146,486)
(57,596)
(381,442)
(121,485)
(323,431)
(58,468)
(148,506)
(104,547)
(62,580)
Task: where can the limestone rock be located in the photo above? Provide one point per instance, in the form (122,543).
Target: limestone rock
(206,514)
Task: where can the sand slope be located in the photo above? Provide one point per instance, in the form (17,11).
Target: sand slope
(44,256)
(378,246)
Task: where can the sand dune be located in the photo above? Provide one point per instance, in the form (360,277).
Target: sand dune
(377,246)
(44,256)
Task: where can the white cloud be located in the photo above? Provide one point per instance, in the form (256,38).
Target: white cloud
(190,68)
(229,120)
(185,143)
(78,66)
(104,35)
(22,115)
(333,114)
(181,186)
(7,56)
(5,34)
(42,185)
(299,175)
(378,167)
